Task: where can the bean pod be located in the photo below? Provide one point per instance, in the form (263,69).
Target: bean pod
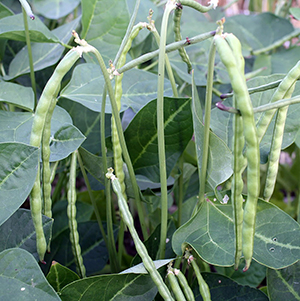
(140,247)
(244,104)
(280,93)
(182,52)
(118,160)
(175,286)
(49,92)
(275,149)
(71,212)
(184,285)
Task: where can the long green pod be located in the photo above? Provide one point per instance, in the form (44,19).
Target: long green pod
(140,247)
(39,119)
(237,185)
(197,6)
(176,289)
(46,171)
(280,93)
(203,287)
(275,149)
(184,285)
(182,52)
(71,212)
(239,161)
(244,104)
(118,160)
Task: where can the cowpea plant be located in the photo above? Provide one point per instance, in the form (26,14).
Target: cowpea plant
(141,155)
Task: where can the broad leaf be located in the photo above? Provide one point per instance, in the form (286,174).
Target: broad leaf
(5,11)
(113,287)
(88,122)
(93,248)
(22,279)
(254,276)
(12,28)
(248,29)
(17,95)
(86,88)
(59,276)
(19,232)
(223,288)
(18,168)
(284,284)
(43,55)
(210,232)
(65,138)
(104,26)
(55,9)
(141,136)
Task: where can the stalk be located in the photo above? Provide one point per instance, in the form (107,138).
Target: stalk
(160,128)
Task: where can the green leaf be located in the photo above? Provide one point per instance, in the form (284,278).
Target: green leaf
(86,88)
(248,30)
(93,164)
(18,168)
(295,11)
(113,287)
(219,167)
(93,248)
(88,122)
(104,26)
(43,55)
(210,233)
(254,276)
(5,11)
(17,95)
(12,28)
(65,138)
(223,288)
(284,284)
(22,279)
(64,142)
(19,232)
(141,136)
(59,276)
(55,9)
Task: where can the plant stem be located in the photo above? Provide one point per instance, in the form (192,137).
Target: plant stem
(160,128)
(32,77)
(113,259)
(208,100)
(169,48)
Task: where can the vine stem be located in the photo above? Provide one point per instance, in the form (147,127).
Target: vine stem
(27,36)
(160,128)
